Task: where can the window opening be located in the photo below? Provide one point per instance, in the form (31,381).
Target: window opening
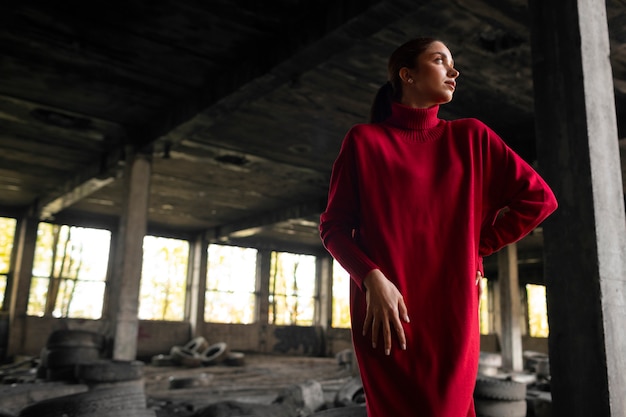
(69,271)
(483,309)
(231,285)
(537,310)
(163,279)
(7,237)
(292,289)
(341,297)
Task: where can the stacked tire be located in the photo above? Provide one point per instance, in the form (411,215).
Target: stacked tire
(198,352)
(494,397)
(65,349)
(489,363)
(116,389)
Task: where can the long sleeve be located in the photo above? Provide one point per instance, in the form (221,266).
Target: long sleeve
(518,199)
(340,220)
(418,198)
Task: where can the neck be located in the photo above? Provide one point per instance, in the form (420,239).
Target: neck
(417,104)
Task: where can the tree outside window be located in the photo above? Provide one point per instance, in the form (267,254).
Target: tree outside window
(69,272)
(292,289)
(537,310)
(7,235)
(231,285)
(163,279)
(341,297)
(483,310)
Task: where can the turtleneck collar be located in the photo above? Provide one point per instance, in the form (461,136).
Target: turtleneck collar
(413,118)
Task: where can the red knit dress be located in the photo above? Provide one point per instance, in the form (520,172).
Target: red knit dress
(418,198)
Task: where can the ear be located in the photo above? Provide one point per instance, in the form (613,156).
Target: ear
(405,75)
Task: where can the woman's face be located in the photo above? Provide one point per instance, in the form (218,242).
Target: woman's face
(433,80)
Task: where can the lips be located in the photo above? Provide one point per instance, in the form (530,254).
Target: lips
(451,83)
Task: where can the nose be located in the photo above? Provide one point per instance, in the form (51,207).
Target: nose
(453,72)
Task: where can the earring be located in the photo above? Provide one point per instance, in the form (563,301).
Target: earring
(410,80)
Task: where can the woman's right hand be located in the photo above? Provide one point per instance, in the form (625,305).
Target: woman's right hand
(385,310)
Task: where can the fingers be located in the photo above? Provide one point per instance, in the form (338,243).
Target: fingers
(367,323)
(387,324)
(387,337)
(385,311)
(403,312)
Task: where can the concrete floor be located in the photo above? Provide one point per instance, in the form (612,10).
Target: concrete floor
(176,391)
(258,381)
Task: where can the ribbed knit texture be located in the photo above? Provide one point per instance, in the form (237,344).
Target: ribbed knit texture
(418,198)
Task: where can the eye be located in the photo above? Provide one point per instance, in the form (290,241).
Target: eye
(439,60)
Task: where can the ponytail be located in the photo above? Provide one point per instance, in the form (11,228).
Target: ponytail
(404,56)
(381,107)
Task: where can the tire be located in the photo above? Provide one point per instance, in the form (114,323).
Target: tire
(487,370)
(494,408)
(70,356)
(161,360)
(543,368)
(97,401)
(184,357)
(75,338)
(344,358)
(64,373)
(235,359)
(490,359)
(350,393)
(531,358)
(109,371)
(214,354)
(351,411)
(499,389)
(197,345)
(489,363)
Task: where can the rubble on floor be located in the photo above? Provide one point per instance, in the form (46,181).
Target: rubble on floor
(198,380)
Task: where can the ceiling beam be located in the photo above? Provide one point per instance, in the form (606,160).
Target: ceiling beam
(295,50)
(96,176)
(254,224)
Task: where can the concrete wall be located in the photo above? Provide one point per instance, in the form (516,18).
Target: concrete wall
(158,337)
(491,343)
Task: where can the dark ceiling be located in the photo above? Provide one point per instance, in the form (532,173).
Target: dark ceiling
(242,104)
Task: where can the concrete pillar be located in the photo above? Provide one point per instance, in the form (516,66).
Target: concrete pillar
(25,240)
(263,270)
(510,336)
(324,284)
(196,284)
(123,300)
(585,239)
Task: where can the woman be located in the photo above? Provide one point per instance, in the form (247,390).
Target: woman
(414,204)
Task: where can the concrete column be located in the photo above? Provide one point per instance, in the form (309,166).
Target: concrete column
(263,267)
(585,240)
(25,240)
(124,286)
(324,283)
(196,284)
(510,336)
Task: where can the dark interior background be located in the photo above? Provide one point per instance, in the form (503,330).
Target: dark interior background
(242,104)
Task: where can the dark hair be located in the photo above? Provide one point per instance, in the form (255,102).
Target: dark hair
(404,56)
